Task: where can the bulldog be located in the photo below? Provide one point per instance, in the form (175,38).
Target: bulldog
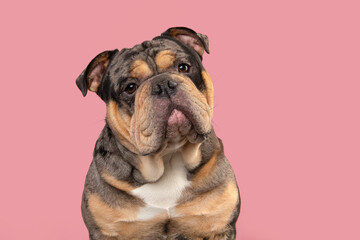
(158,170)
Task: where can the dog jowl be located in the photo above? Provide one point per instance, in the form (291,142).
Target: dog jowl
(159,171)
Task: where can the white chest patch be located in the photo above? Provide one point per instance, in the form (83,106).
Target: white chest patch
(166,191)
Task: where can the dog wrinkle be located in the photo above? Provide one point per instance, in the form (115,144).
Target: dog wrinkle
(119,124)
(143,129)
(142,95)
(198,104)
(145,138)
(147,132)
(209,90)
(190,89)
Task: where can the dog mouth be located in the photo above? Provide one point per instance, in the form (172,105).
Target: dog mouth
(160,121)
(177,128)
(177,117)
(178,125)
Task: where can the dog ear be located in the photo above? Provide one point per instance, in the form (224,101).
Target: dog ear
(91,77)
(197,41)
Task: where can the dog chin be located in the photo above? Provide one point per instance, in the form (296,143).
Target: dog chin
(179,129)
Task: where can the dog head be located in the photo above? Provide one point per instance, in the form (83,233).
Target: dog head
(157,93)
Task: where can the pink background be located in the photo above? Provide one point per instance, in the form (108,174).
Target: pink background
(287,81)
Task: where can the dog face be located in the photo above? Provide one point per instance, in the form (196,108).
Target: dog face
(157,93)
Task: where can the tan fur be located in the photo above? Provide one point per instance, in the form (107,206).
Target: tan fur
(199,99)
(209,212)
(121,185)
(165,59)
(137,230)
(151,167)
(192,155)
(141,123)
(108,218)
(140,69)
(191,88)
(204,173)
(119,123)
(120,222)
(209,90)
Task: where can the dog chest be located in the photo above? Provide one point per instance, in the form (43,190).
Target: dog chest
(165,192)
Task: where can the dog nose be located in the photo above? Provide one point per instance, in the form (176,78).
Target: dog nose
(164,87)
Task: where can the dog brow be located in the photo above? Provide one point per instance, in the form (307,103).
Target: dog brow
(165,59)
(140,69)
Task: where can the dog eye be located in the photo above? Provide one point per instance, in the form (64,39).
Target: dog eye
(184,68)
(131,88)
